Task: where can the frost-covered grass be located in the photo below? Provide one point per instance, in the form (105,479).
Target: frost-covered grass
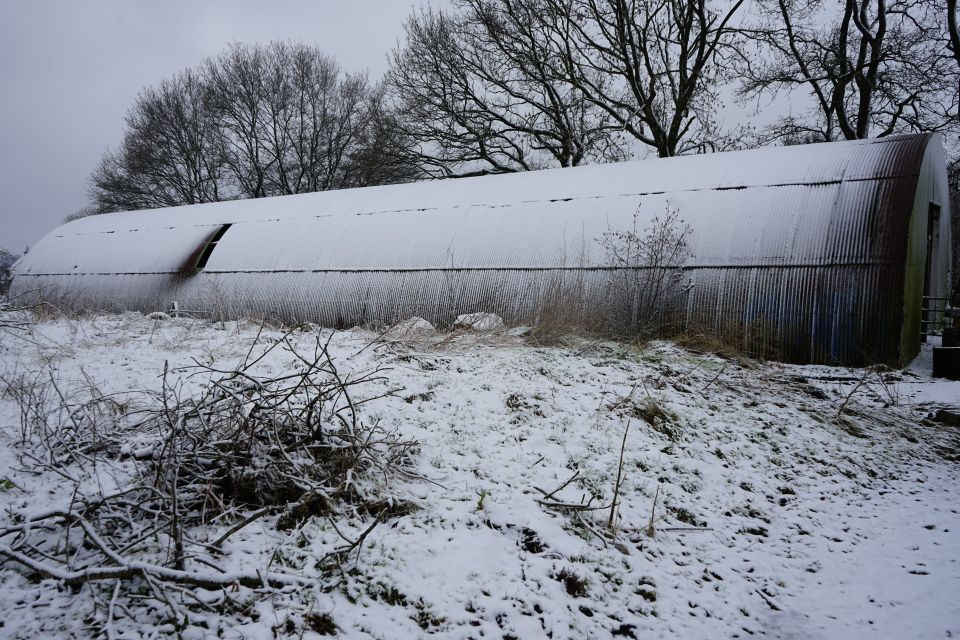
(750,504)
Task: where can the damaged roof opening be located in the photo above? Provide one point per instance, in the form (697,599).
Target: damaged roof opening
(208,250)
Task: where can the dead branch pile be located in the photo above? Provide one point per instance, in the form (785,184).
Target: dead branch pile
(291,440)
(210,453)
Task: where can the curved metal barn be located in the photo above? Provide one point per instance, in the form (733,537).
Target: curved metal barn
(816,253)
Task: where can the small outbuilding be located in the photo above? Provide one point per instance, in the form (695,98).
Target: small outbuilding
(820,253)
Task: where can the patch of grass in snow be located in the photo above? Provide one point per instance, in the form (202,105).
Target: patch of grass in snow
(418,397)
(530,541)
(683,515)
(321,624)
(380,591)
(849,426)
(575,585)
(661,419)
(647,589)
(749,511)
(481,496)
(424,618)
(518,404)
(948,452)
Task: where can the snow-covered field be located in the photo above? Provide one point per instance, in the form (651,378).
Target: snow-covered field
(774,513)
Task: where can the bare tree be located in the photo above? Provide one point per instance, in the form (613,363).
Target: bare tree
(383,153)
(83,212)
(290,122)
(872,67)
(654,66)
(169,154)
(482,90)
(325,118)
(236,102)
(254,121)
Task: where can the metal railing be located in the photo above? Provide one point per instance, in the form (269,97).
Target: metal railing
(934,317)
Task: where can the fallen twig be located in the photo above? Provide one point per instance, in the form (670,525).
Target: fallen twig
(616,487)
(547,496)
(240,525)
(133,568)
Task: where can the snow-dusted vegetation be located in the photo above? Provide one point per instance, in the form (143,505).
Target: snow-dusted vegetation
(193,474)
(168,477)
(6,262)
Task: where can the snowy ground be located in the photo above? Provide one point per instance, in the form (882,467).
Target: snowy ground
(774,515)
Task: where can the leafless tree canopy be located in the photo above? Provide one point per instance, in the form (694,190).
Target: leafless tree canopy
(654,66)
(482,90)
(505,85)
(872,67)
(290,123)
(953,31)
(170,154)
(254,121)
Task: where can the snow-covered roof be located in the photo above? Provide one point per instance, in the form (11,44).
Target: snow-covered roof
(350,255)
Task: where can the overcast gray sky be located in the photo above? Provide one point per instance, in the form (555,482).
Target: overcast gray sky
(69,69)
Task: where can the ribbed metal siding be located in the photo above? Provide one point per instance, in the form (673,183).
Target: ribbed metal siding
(797,253)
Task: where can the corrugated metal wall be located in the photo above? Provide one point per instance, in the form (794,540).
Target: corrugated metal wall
(795,252)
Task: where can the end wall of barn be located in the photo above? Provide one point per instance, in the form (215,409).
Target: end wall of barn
(932,191)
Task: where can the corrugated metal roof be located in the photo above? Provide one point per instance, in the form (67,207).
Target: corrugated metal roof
(795,247)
